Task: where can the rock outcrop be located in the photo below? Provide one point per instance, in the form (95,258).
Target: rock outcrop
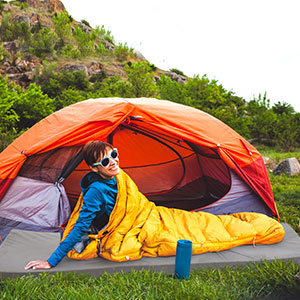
(289,166)
(52,5)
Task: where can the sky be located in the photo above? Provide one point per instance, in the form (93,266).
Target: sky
(249,46)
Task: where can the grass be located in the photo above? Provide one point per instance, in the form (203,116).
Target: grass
(274,280)
(285,188)
(265,280)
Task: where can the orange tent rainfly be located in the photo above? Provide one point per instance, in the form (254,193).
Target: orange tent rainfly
(178,156)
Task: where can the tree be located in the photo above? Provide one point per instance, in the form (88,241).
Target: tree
(8,97)
(31,106)
(280,108)
(262,120)
(140,76)
(171,90)
(62,27)
(43,42)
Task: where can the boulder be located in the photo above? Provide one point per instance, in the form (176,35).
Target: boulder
(95,68)
(176,77)
(85,28)
(22,19)
(24,66)
(289,166)
(12,70)
(51,5)
(139,55)
(23,79)
(109,46)
(76,67)
(12,46)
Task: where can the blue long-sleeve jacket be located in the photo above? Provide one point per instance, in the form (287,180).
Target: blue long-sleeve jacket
(99,196)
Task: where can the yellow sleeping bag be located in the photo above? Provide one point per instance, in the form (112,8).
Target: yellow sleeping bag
(137,228)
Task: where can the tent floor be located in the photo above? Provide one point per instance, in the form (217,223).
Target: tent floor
(22,246)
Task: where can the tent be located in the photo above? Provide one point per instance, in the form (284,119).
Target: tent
(177,155)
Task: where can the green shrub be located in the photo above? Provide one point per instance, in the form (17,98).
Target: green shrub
(85,42)
(174,70)
(68,97)
(122,52)
(43,43)
(100,49)
(140,77)
(62,28)
(10,30)
(31,106)
(4,54)
(102,33)
(171,90)
(85,22)
(53,82)
(111,87)
(8,97)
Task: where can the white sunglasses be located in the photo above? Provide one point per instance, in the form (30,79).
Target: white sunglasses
(106,160)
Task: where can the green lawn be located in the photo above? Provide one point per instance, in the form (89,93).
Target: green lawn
(254,281)
(274,280)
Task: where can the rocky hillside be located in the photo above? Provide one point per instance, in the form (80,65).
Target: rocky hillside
(35,33)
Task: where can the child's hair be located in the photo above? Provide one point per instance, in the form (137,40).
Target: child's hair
(93,150)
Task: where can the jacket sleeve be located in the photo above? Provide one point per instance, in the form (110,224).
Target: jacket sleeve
(93,202)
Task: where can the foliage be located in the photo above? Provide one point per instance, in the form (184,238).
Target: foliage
(123,52)
(67,97)
(20,109)
(140,77)
(43,42)
(85,42)
(171,90)
(32,106)
(111,87)
(174,70)
(10,31)
(263,119)
(102,33)
(280,108)
(62,28)
(4,54)
(285,188)
(85,22)
(8,96)
(53,81)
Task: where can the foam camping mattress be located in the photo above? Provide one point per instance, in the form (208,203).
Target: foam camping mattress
(21,246)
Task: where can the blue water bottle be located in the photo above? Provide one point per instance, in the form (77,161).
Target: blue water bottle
(183,259)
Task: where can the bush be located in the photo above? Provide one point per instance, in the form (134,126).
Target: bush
(171,90)
(123,52)
(140,77)
(31,106)
(85,22)
(14,30)
(62,27)
(104,34)
(8,97)
(68,97)
(53,82)
(43,43)
(85,42)
(100,49)
(174,70)
(111,87)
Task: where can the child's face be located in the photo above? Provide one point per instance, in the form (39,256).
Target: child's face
(112,169)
